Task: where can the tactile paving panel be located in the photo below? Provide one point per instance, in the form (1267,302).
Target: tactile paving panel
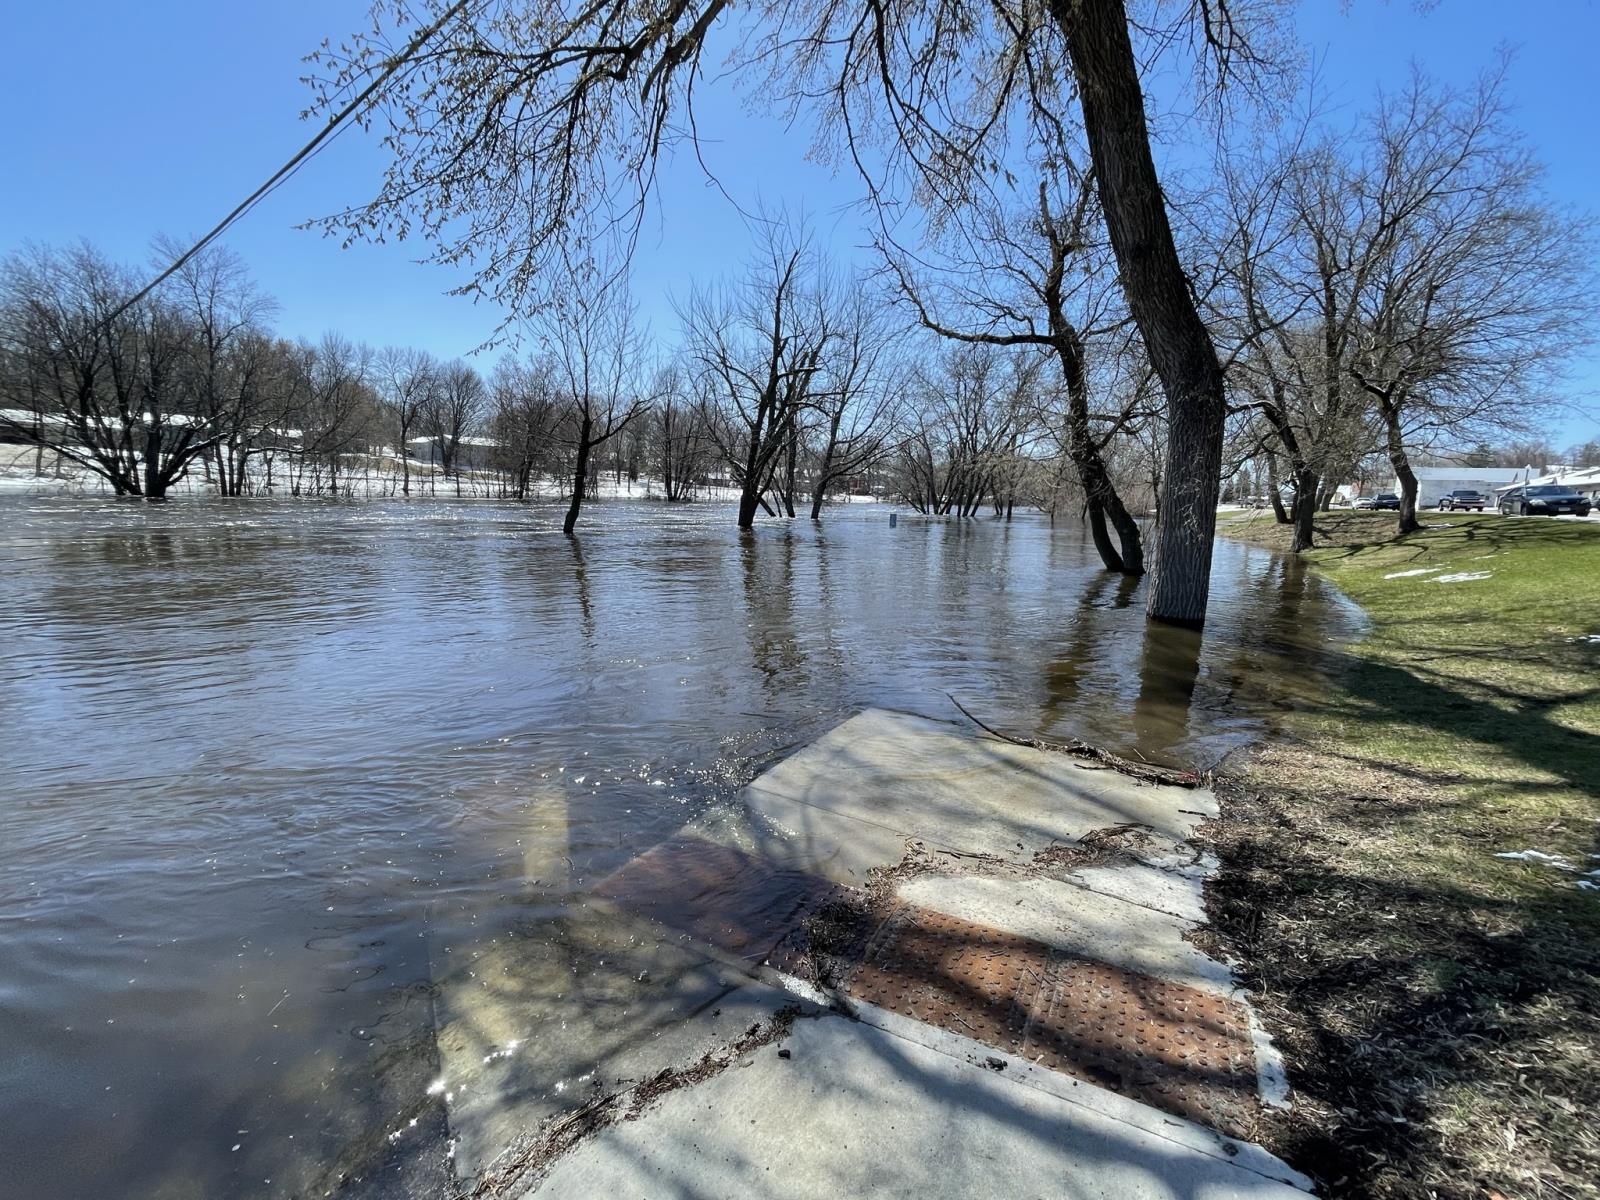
(951,973)
(718,894)
(1175,1047)
(1178,1048)
(1181,1049)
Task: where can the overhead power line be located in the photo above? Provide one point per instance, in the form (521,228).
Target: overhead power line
(305,152)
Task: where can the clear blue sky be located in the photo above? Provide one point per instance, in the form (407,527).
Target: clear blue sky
(123,121)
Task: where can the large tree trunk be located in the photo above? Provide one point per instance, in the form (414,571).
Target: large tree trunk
(580,477)
(1179,345)
(1401,462)
(749,501)
(1305,509)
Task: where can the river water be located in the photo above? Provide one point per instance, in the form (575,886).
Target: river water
(264,760)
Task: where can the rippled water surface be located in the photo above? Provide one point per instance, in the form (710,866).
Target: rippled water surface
(266,764)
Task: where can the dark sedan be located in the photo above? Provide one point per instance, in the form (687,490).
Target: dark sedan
(1545,500)
(1386,500)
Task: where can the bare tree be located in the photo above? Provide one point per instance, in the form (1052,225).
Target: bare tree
(451,410)
(231,359)
(759,347)
(857,401)
(598,351)
(682,445)
(337,409)
(406,381)
(1480,290)
(1394,285)
(973,416)
(1038,278)
(527,407)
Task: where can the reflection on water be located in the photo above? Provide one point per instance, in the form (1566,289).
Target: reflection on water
(270,768)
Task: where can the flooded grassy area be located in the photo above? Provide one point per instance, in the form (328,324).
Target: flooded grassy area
(1411,867)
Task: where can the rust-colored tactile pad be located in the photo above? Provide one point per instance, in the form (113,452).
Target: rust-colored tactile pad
(1175,1047)
(719,894)
(1183,1050)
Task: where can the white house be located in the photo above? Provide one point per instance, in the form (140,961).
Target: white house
(1434,482)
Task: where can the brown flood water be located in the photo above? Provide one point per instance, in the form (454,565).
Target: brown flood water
(267,764)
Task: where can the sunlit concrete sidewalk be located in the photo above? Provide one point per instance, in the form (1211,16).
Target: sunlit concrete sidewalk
(1004,1023)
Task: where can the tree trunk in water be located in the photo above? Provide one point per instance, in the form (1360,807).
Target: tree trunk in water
(580,477)
(1305,509)
(155,487)
(1102,539)
(816,498)
(749,501)
(1179,345)
(1102,495)
(790,474)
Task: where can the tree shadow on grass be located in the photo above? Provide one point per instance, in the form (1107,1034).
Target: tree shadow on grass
(1420,1021)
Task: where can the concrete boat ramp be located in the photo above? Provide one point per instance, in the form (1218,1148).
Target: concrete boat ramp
(916,962)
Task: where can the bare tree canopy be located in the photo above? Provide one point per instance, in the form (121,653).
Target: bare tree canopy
(1402,283)
(522,130)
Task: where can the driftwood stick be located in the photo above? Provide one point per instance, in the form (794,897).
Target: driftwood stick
(1148,771)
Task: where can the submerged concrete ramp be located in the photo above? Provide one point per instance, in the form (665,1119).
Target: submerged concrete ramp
(1002,935)
(848,802)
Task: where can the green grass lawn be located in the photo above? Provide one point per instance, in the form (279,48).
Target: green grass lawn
(1439,1006)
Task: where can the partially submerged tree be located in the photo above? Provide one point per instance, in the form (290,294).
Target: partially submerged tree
(527,408)
(407,380)
(758,348)
(336,409)
(1041,277)
(596,345)
(453,405)
(681,443)
(857,401)
(973,418)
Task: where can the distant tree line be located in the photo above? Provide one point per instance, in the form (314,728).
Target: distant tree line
(793,384)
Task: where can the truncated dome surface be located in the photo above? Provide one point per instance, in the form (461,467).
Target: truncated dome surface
(1178,1048)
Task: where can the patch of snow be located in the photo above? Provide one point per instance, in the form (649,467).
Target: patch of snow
(1462,577)
(1413,571)
(1538,856)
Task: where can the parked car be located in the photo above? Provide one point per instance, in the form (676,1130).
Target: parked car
(1386,500)
(1363,502)
(1463,498)
(1544,500)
